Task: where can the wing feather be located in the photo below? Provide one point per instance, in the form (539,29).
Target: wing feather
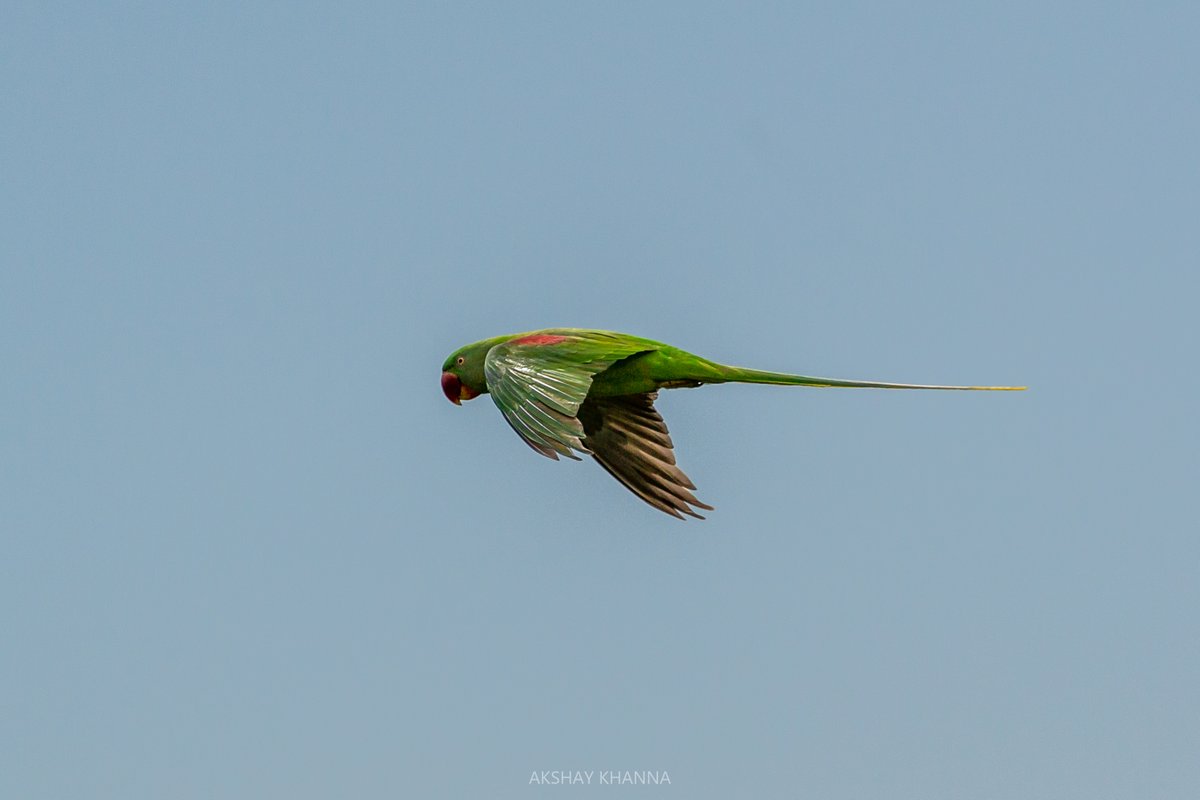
(628,437)
(539,381)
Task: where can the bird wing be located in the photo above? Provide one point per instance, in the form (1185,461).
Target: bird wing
(629,438)
(539,381)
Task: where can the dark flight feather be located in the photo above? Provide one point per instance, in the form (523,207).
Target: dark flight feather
(628,437)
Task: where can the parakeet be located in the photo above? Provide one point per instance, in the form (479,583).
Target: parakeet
(570,390)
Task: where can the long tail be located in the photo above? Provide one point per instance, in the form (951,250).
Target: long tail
(739,375)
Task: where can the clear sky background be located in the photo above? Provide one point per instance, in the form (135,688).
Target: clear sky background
(249,550)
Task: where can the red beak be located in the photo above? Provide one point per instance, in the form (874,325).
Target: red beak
(452,388)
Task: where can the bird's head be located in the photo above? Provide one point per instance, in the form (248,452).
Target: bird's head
(462,374)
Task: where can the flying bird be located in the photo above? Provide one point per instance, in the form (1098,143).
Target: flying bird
(570,390)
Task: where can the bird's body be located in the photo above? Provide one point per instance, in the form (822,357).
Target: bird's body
(568,390)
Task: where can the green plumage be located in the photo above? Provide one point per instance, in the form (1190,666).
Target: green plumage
(568,390)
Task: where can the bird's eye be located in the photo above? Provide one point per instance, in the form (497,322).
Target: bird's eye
(460,361)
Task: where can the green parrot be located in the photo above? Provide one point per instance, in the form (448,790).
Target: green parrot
(568,390)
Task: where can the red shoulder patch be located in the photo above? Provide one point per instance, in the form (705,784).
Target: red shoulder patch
(539,338)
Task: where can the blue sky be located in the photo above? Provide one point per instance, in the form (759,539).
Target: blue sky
(249,550)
